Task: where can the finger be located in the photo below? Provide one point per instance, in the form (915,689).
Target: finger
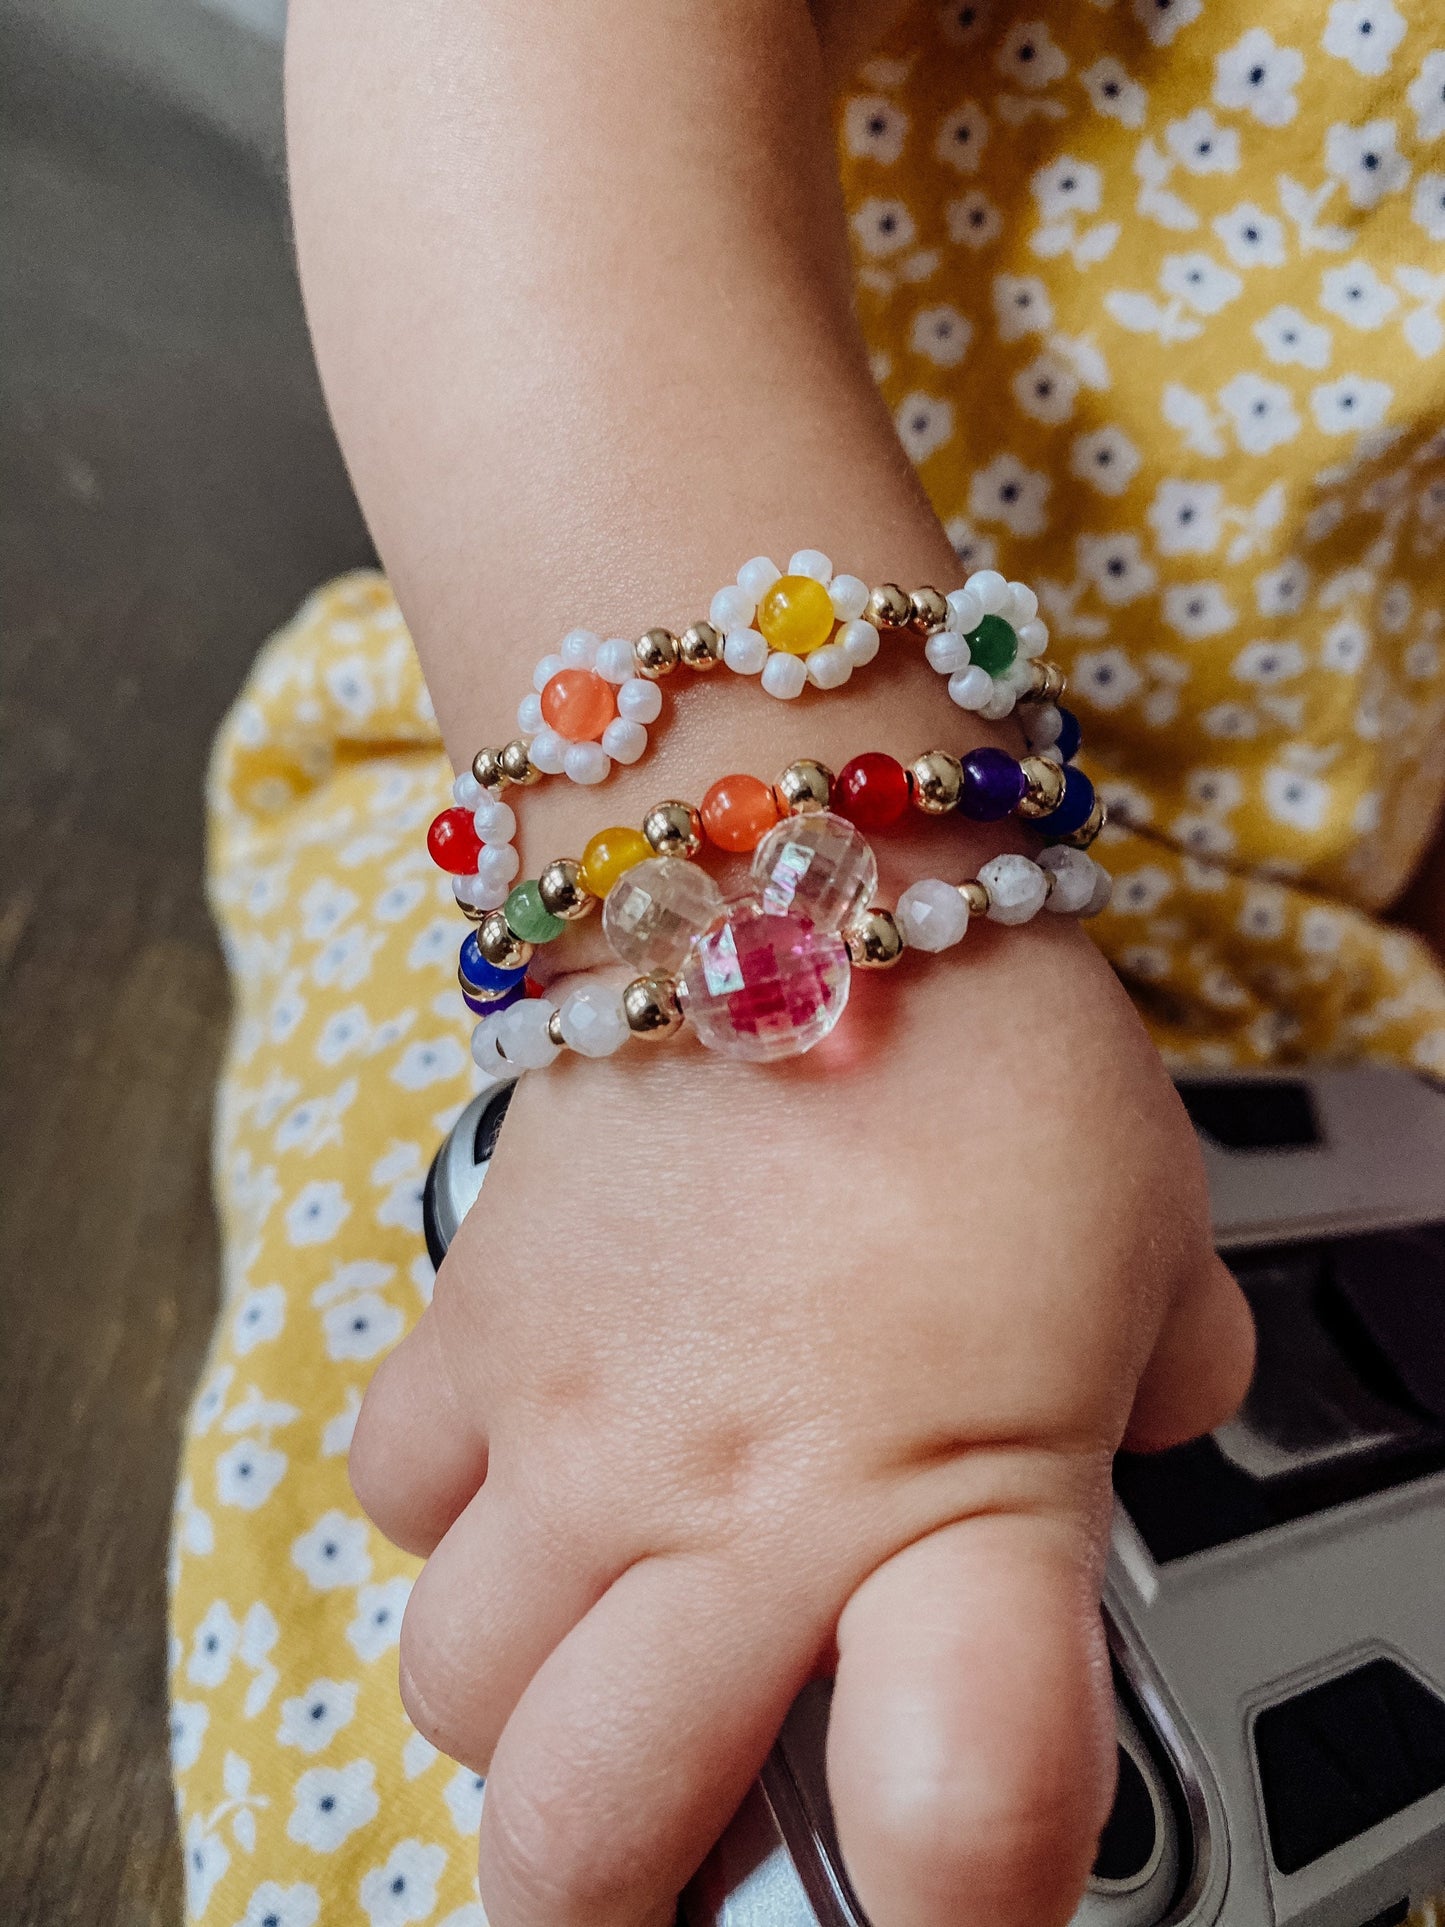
(635,1744)
(418,1453)
(971,1746)
(1201,1365)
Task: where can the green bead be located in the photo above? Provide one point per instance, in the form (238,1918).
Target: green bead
(993,645)
(528,917)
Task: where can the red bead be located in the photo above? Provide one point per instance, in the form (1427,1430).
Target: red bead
(872,791)
(453,844)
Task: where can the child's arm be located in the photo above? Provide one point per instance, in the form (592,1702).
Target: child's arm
(750,1360)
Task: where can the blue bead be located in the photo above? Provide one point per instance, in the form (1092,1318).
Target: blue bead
(485,976)
(1070,736)
(1073,811)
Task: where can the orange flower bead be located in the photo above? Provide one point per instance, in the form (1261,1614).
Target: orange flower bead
(738,812)
(578,704)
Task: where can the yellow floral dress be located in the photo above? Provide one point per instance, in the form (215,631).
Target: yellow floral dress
(1156,291)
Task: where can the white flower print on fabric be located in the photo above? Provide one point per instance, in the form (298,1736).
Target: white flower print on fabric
(1214,789)
(1115,566)
(214,1646)
(435,945)
(1294,798)
(260,1315)
(417,1755)
(432,1060)
(1112,93)
(941,334)
(1427,205)
(312,1720)
(1262,412)
(1259,78)
(206,1859)
(1251,238)
(1046,389)
(883,227)
(324,908)
(1426,96)
(347,959)
(189,1720)
(343,1032)
(1365,33)
(398,900)
(1199,281)
(1288,336)
(962,137)
(1106,459)
(1269,663)
(1105,679)
(377,1625)
(273,1905)
(469,1916)
(1140,892)
(329,1804)
(1021,306)
(1185,517)
(973,220)
(317,1212)
(1353,402)
(247,1473)
(1066,187)
(335,1552)
(1281,591)
(973,549)
(1366,161)
(1201,145)
(1345,645)
(1029,56)
(874,128)
(1357,295)
(1196,610)
(361,1327)
(405,1889)
(924,424)
(1163,19)
(464,1793)
(1008,492)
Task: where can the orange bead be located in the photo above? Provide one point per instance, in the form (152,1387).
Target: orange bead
(578,704)
(738,812)
(796,615)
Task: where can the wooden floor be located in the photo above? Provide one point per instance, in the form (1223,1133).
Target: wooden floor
(169,491)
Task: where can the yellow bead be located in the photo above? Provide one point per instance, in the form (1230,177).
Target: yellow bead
(610,853)
(796,615)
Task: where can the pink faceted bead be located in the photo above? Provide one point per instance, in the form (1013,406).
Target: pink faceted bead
(762,986)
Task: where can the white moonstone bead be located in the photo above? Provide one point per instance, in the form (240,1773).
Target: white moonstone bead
(548,752)
(639,701)
(579,648)
(849,597)
(1103,890)
(467,792)
(965,611)
(523,1033)
(498,863)
(731,608)
(858,640)
(970,688)
(494,821)
(947,652)
(615,662)
(1033,639)
(1023,604)
(486,1046)
(586,762)
(1016,888)
(931,914)
(544,672)
(745,651)
(1042,725)
(624,740)
(811,562)
(529,713)
(755,578)
(593,1021)
(1000,704)
(655,909)
(828,667)
(480,894)
(1073,876)
(991,589)
(784,676)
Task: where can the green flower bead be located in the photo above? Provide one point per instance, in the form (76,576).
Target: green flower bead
(993,645)
(528,917)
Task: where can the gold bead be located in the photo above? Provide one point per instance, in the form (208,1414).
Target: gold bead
(673,829)
(656,654)
(1044,789)
(888,607)
(554,1030)
(804,788)
(562,891)
(937,782)
(652,1007)
(1082,837)
(517,765)
(929,611)
(875,941)
(1051,883)
(487,768)
(498,945)
(975,895)
(701,646)
(471,912)
(1048,682)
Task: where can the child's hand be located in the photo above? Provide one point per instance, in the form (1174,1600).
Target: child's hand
(738,1374)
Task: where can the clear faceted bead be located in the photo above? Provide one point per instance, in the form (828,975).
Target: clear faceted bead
(816,866)
(763,985)
(655,909)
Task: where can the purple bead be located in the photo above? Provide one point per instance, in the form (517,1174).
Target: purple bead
(484,1006)
(993,785)
(1073,811)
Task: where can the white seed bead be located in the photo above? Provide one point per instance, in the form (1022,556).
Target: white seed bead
(1016,888)
(1033,639)
(478,893)
(755,578)
(498,863)
(828,667)
(487,1046)
(1000,704)
(586,762)
(593,1021)
(947,652)
(784,676)
(529,713)
(1051,753)
(1042,725)
(467,792)
(731,608)
(1018,677)
(811,562)
(991,589)
(548,752)
(1103,890)
(544,672)
(965,611)
(858,640)
(624,740)
(523,1033)
(1073,876)
(639,701)
(579,648)
(745,651)
(1023,604)
(970,688)
(849,596)
(495,822)
(931,914)
(615,661)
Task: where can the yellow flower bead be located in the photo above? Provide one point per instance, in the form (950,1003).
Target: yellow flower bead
(796,615)
(610,853)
